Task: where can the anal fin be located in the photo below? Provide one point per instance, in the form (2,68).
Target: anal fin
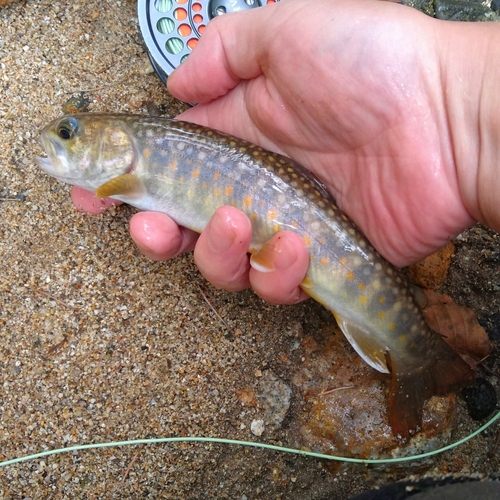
(371,350)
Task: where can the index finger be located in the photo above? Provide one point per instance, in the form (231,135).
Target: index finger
(86,201)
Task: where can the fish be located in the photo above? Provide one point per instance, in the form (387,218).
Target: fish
(187,171)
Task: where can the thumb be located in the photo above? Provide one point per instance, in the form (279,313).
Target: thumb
(230,50)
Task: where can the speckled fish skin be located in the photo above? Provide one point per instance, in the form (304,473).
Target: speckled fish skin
(187,171)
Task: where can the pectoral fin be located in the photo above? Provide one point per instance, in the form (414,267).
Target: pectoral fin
(263,259)
(365,344)
(126,185)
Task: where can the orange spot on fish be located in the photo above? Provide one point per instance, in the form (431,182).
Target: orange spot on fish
(254,216)
(229,190)
(195,173)
(363,299)
(324,261)
(217,176)
(343,261)
(294,223)
(216,192)
(173,165)
(307,240)
(322,241)
(381,300)
(276,228)
(350,275)
(392,326)
(361,286)
(271,214)
(146,153)
(381,314)
(247,201)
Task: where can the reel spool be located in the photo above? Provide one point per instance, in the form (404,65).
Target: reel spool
(171,28)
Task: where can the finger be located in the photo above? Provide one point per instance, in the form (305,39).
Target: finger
(87,202)
(279,267)
(227,53)
(221,251)
(158,237)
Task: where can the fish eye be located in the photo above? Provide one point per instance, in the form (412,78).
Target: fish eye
(67,128)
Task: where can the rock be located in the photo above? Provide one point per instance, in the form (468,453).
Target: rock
(346,410)
(481,399)
(274,396)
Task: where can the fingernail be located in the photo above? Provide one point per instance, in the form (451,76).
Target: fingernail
(220,237)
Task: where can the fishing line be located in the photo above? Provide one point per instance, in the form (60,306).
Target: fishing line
(253,445)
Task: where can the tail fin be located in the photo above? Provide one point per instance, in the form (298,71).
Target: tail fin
(411,388)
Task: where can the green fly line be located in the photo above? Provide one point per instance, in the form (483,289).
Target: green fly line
(251,444)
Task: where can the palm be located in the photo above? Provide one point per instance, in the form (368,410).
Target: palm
(360,111)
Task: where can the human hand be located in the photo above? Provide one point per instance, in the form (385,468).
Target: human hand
(360,93)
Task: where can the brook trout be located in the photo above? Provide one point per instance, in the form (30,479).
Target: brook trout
(187,171)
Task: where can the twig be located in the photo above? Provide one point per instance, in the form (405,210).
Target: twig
(59,301)
(4,198)
(329,391)
(212,307)
(57,346)
(130,465)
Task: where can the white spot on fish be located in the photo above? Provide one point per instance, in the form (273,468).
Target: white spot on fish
(357,261)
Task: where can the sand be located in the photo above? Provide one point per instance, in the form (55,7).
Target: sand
(98,344)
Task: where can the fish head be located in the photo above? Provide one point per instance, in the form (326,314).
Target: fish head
(87,149)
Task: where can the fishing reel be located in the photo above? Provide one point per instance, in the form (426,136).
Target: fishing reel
(171,28)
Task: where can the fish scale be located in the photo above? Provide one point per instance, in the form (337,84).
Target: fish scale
(187,171)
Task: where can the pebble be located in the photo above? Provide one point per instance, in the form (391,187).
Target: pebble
(257,427)
(481,399)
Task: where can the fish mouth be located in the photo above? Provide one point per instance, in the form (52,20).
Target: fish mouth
(45,164)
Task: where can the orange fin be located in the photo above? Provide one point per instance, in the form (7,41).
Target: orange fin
(367,345)
(410,389)
(126,184)
(263,259)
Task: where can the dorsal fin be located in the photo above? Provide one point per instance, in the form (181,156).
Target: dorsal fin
(125,185)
